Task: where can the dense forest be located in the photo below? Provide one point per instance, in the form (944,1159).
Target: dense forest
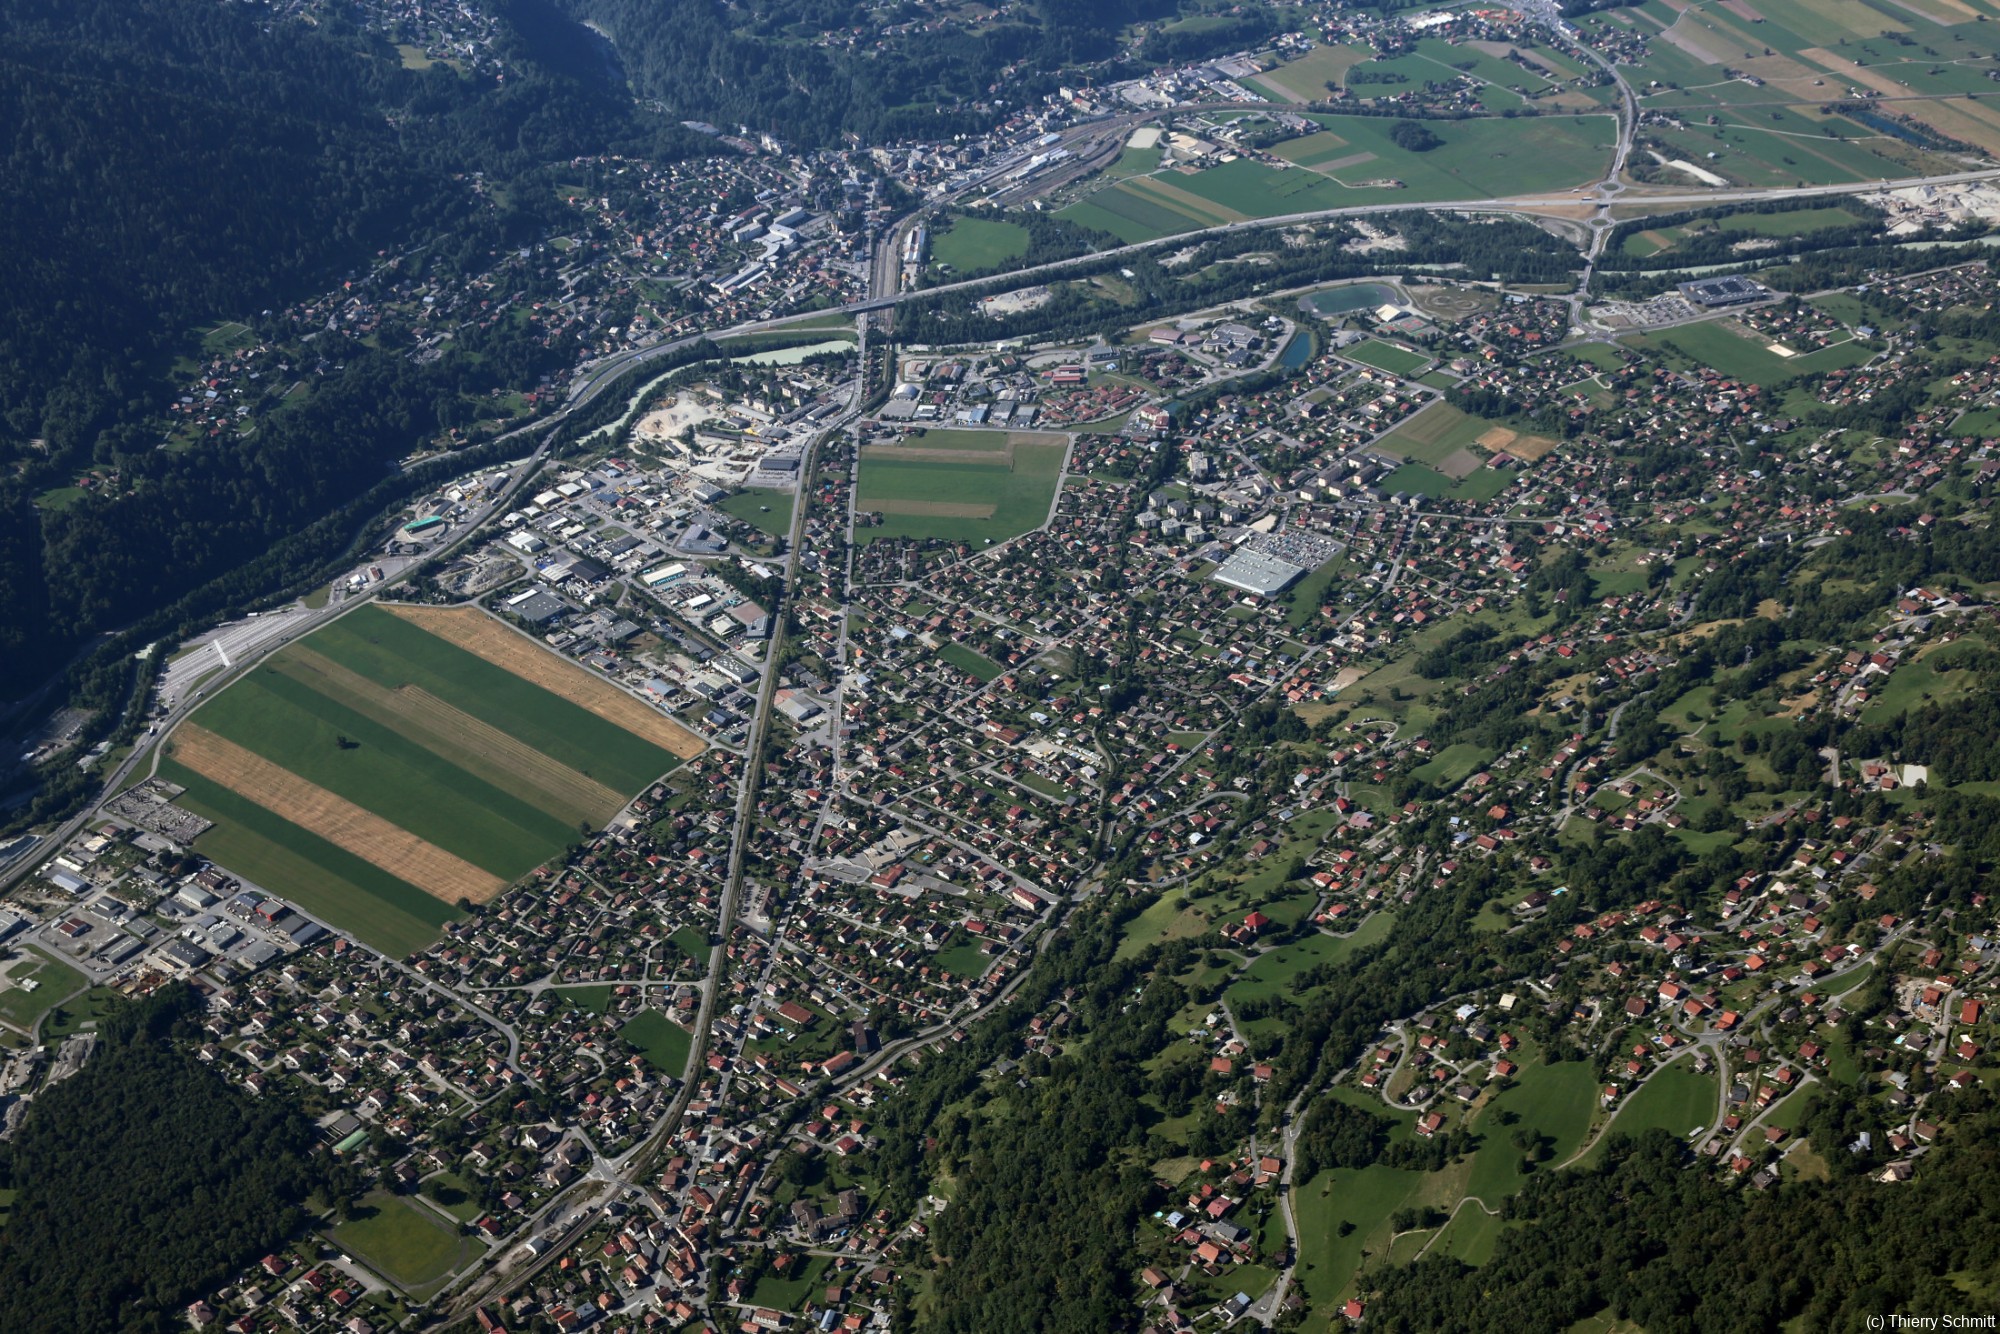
(1672,1250)
(143,1180)
(811,72)
(170,161)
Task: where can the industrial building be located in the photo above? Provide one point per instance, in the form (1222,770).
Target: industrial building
(1714,293)
(1257,572)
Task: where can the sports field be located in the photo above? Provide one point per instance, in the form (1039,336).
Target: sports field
(1386,357)
(380,772)
(404,1243)
(961,486)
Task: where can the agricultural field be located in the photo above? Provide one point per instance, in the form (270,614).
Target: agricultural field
(1662,240)
(1433,435)
(1352,161)
(1306,79)
(1438,61)
(972,244)
(1925,55)
(1746,356)
(961,486)
(399,763)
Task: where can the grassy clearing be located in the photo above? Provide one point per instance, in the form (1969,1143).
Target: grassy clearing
(970,661)
(1454,764)
(1470,1236)
(664,1043)
(1554,1101)
(692,943)
(1713,344)
(52,980)
(962,961)
(1274,972)
(1935,677)
(972,244)
(767,511)
(81,1014)
(1675,1099)
(1169,917)
(1358,1203)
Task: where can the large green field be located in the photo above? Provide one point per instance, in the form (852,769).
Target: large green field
(766,510)
(972,244)
(497,774)
(1386,357)
(53,982)
(1416,479)
(332,884)
(1434,435)
(997,492)
(1351,161)
(284,720)
(1654,241)
(1676,1100)
(404,1243)
(1713,344)
(393,652)
(664,1043)
(1554,1101)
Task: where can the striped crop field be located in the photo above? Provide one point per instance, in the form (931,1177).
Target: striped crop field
(400,763)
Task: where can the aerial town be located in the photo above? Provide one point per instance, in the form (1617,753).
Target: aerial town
(1281,749)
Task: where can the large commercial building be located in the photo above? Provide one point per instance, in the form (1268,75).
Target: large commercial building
(1727,291)
(1257,572)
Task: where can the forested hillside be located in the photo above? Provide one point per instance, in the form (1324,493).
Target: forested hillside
(170,162)
(1668,1249)
(811,72)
